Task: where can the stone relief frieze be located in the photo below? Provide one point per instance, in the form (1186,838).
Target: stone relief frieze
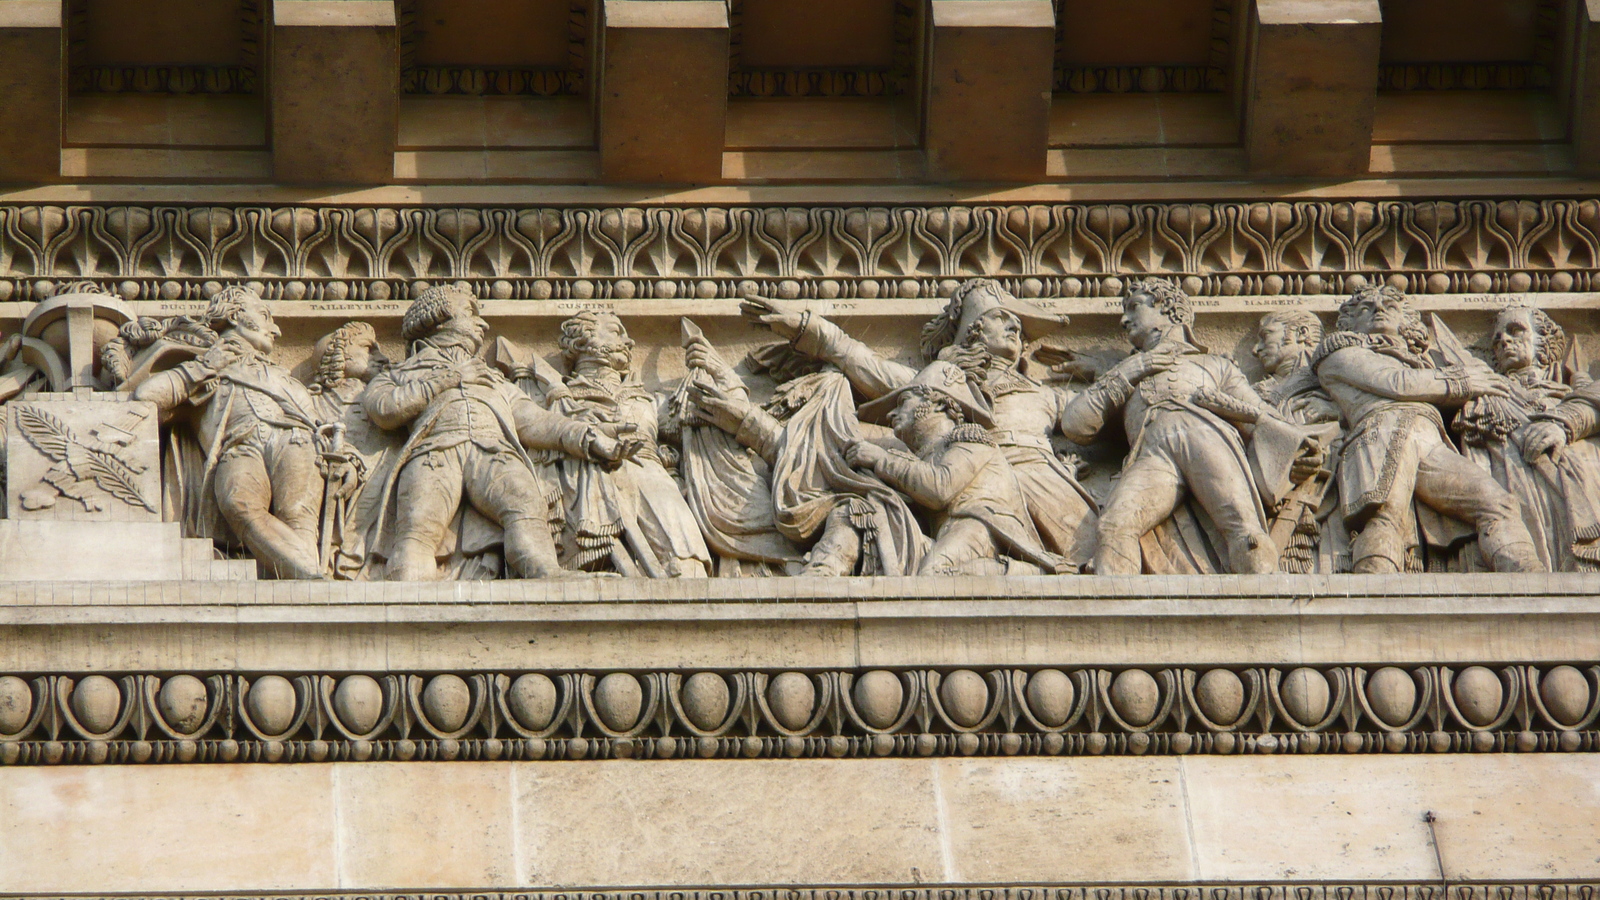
(1197,890)
(1062,250)
(670,714)
(1379,444)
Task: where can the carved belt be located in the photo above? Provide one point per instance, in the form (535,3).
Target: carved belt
(1020,439)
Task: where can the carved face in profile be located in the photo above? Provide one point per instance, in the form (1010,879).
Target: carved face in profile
(254,323)
(1142,322)
(1000,332)
(464,327)
(903,418)
(1516,340)
(364,359)
(608,341)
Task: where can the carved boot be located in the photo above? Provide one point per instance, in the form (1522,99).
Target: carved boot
(1377,549)
(836,553)
(1509,548)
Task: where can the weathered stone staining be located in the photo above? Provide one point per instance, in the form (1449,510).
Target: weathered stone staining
(1383,445)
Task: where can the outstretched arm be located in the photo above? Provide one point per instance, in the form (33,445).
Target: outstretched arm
(933,485)
(818,338)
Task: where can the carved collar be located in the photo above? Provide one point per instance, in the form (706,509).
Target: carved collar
(1383,344)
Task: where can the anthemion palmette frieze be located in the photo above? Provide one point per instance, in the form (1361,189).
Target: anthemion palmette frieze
(1217,249)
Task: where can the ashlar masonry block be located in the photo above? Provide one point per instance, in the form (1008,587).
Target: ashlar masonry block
(1312,86)
(988,89)
(31,89)
(335,84)
(663,100)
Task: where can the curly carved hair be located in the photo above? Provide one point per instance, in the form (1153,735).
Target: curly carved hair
(1296,321)
(1552,337)
(577,332)
(1412,331)
(330,368)
(937,401)
(941,331)
(432,308)
(1170,300)
(227,305)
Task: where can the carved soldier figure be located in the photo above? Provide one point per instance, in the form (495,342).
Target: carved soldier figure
(469,428)
(1558,491)
(1169,394)
(1285,341)
(958,473)
(1375,369)
(982,329)
(633,518)
(257,425)
(357,455)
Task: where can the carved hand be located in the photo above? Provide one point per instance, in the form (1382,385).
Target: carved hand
(1484,383)
(864,454)
(1144,364)
(717,407)
(784,320)
(613,451)
(1309,462)
(1539,438)
(476,371)
(699,354)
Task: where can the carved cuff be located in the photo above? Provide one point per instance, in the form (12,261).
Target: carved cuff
(1114,388)
(1455,382)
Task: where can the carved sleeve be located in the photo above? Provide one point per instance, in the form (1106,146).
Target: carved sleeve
(761,432)
(1084,415)
(933,485)
(872,375)
(1375,374)
(167,390)
(391,404)
(1577,415)
(541,429)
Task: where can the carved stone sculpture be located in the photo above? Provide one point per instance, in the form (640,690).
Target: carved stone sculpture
(632,518)
(357,456)
(256,426)
(1285,341)
(982,330)
(1557,491)
(958,473)
(1169,394)
(854,523)
(1376,369)
(469,433)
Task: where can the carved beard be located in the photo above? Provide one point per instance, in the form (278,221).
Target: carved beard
(605,351)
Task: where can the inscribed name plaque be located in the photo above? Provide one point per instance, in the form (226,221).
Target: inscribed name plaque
(82,459)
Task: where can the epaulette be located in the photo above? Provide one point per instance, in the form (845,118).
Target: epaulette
(971,434)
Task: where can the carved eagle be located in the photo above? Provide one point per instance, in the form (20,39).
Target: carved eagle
(81,467)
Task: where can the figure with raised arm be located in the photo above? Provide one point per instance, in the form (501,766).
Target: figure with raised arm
(1375,367)
(257,427)
(983,330)
(1186,413)
(470,430)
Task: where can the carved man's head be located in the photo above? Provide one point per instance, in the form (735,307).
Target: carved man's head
(1285,338)
(600,336)
(1383,310)
(911,417)
(1525,338)
(445,315)
(1151,308)
(241,311)
(976,314)
(351,351)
